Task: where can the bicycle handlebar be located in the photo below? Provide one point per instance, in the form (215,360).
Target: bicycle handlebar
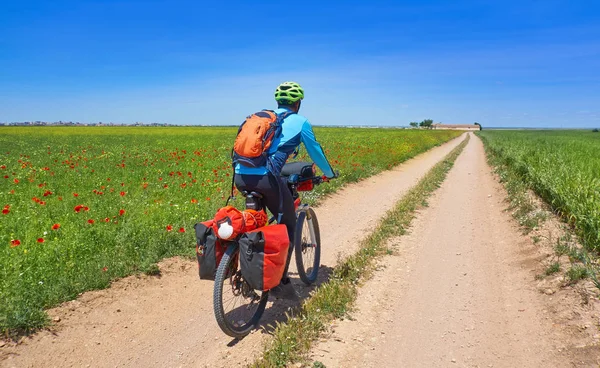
(315,179)
(295,179)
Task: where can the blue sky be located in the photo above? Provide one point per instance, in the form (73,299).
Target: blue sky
(502,63)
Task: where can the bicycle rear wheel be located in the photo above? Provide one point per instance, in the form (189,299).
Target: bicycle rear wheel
(307,246)
(237,307)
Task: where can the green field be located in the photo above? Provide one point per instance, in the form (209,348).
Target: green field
(562,167)
(83,206)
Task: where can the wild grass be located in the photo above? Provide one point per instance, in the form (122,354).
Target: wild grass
(563,169)
(553,268)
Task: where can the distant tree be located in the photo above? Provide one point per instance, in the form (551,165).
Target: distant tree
(480,127)
(427,123)
(595,130)
(414,124)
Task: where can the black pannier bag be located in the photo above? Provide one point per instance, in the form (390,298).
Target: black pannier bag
(209,250)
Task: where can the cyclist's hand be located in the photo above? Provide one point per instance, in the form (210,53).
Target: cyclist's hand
(336,174)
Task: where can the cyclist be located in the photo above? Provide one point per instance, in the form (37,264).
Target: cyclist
(266,180)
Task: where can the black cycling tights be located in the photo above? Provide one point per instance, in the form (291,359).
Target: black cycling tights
(267,186)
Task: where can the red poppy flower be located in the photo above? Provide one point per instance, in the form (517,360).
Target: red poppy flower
(208,198)
(122,194)
(41,185)
(3,167)
(91,221)
(121,212)
(55,226)
(165,186)
(78,208)
(194,200)
(169,227)
(59,198)
(35,199)
(145,185)
(106,219)
(5,211)
(182,230)
(75,195)
(5,176)
(86,208)
(42,203)
(104,269)
(40,240)
(16,181)
(15,243)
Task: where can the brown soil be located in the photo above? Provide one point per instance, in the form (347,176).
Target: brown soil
(461,292)
(168,321)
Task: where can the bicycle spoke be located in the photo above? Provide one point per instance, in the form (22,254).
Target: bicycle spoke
(308,255)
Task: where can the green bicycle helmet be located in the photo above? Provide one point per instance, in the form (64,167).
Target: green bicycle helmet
(288,93)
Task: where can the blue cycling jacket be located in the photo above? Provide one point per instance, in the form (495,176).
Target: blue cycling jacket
(295,129)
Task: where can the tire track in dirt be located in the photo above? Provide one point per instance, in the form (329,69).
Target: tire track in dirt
(168,321)
(460,292)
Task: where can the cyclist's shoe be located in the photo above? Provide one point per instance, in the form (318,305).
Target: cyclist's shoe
(285,290)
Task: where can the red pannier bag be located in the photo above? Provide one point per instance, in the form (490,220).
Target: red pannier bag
(209,250)
(263,254)
(228,223)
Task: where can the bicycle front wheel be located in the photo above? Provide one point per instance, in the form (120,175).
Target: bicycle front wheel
(307,246)
(237,306)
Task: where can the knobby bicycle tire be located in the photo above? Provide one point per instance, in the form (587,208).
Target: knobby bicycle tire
(300,246)
(222,278)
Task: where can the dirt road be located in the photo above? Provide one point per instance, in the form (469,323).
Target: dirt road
(168,321)
(459,293)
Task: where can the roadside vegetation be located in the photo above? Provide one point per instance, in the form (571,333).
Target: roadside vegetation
(84,206)
(563,169)
(292,340)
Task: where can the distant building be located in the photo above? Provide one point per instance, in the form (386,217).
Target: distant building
(455,126)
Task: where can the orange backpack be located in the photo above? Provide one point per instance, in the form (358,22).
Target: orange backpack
(255,136)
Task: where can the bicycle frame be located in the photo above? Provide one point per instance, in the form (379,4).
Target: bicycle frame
(299,244)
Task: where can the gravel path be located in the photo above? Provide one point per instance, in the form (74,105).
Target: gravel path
(459,293)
